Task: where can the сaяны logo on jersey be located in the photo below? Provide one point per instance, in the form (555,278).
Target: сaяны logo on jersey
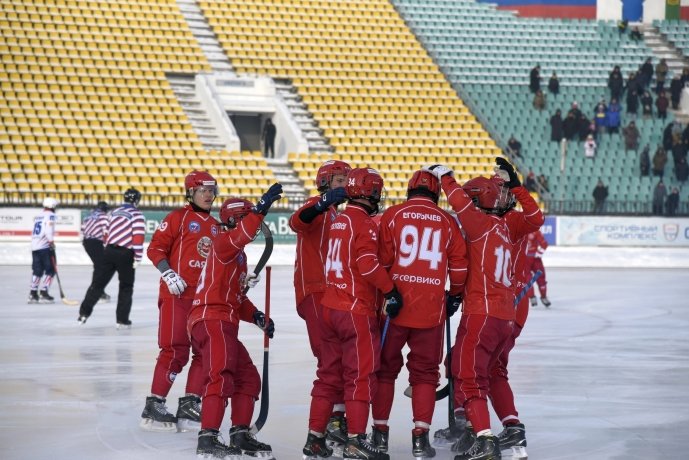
(204,246)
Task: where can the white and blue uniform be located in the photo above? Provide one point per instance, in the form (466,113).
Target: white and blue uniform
(42,241)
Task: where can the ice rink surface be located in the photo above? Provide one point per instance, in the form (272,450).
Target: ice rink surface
(602,374)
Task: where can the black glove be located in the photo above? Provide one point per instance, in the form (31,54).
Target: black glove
(452,303)
(332,196)
(268,198)
(393,303)
(260,321)
(509,169)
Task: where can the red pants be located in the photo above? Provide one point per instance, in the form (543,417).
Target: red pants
(480,340)
(229,372)
(500,391)
(174,344)
(350,354)
(535,264)
(423,363)
(310,311)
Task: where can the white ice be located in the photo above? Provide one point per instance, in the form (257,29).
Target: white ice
(602,374)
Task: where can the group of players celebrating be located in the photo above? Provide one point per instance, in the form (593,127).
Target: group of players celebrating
(365,286)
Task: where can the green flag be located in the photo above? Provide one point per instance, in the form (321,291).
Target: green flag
(672,9)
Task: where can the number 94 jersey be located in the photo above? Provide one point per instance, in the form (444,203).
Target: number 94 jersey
(421,245)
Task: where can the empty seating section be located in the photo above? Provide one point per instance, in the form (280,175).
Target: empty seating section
(87,109)
(677,32)
(489,53)
(369,83)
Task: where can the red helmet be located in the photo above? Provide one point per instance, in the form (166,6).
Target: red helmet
(233,210)
(489,194)
(364,183)
(329,169)
(199,179)
(424,183)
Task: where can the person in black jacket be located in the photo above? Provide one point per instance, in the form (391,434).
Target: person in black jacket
(616,83)
(600,194)
(556,128)
(676,87)
(269,133)
(672,202)
(570,127)
(535,79)
(554,84)
(646,71)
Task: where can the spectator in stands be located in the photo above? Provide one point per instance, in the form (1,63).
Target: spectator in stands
(539,100)
(676,87)
(554,84)
(672,202)
(590,147)
(600,194)
(632,104)
(269,132)
(646,73)
(530,182)
(682,170)
(570,126)
(575,110)
(585,128)
(662,104)
(659,160)
(622,27)
(514,147)
(645,161)
(672,129)
(616,83)
(556,131)
(635,34)
(661,74)
(646,105)
(659,193)
(613,117)
(543,182)
(600,117)
(633,83)
(685,76)
(631,136)
(535,79)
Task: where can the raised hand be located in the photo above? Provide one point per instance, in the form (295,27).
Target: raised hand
(333,196)
(438,171)
(504,165)
(272,195)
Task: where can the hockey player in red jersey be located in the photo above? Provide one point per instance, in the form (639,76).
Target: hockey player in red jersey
(178,249)
(488,312)
(213,324)
(350,337)
(420,244)
(311,223)
(534,254)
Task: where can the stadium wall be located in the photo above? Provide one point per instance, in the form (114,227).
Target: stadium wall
(633,10)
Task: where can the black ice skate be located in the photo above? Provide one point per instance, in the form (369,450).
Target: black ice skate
(82,319)
(448,436)
(155,416)
(514,437)
(315,448)
(379,439)
(241,438)
(189,413)
(209,447)
(124,324)
(357,447)
(33,296)
(465,440)
(336,432)
(420,446)
(485,448)
(45,297)
(534,302)
(104,298)
(545,301)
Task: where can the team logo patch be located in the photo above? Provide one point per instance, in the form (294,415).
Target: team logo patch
(194,227)
(240,258)
(214,230)
(204,246)
(172,376)
(163,226)
(670,231)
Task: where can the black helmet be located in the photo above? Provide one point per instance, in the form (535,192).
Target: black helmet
(103,206)
(132,196)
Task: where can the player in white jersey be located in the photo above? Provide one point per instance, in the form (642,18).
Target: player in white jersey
(42,251)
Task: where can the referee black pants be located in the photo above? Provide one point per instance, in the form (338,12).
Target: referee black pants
(94,248)
(115,259)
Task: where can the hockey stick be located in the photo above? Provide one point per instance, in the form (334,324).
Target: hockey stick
(385,332)
(450,383)
(64,298)
(446,390)
(265,393)
(267,251)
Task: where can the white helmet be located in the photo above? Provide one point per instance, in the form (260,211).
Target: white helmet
(50,203)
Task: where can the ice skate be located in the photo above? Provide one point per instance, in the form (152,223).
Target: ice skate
(534,302)
(448,436)
(123,325)
(545,301)
(209,447)
(420,446)
(33,296)
(82,319)
(514,437)
(316,448)
(336,432)
(465,440)
(241,438)
(189,413)
(485,448)
(45,297)
(357,447)
(155,416)
(104,298)
(379,439)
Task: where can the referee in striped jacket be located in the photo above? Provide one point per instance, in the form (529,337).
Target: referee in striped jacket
(93,233)
(123,250)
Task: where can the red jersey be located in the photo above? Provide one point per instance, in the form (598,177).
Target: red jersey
(537,244)
(420,244)
(491,240)
(352,270)
(312,249)
(219,294)
(183,238)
